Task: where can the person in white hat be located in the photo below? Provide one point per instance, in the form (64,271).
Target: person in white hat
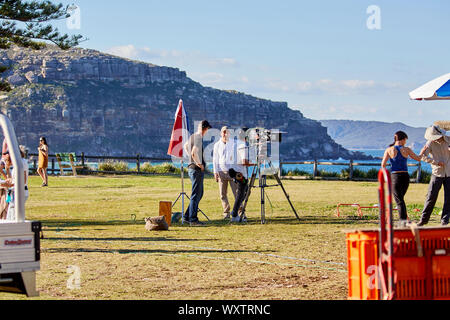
(437,153)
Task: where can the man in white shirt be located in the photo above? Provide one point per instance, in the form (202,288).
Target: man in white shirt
(223,161)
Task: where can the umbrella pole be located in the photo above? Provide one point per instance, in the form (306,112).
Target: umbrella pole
(182,192)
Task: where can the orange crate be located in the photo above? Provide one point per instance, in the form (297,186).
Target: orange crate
(418,278)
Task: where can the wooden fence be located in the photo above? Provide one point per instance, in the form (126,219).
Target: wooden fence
(83,159)
(351,168)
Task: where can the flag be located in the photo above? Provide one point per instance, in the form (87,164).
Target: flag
(180,132)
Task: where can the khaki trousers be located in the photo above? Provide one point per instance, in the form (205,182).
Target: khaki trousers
(224,180)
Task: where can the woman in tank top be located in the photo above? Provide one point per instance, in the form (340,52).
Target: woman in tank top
(398,155)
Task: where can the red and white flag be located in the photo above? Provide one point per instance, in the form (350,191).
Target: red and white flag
(180,132)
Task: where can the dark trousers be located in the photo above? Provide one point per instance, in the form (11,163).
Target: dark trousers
(436,184)
(400,185)
(197,176)
(240,196)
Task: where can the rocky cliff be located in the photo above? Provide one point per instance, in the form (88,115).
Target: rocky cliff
(86,101)
(372,134)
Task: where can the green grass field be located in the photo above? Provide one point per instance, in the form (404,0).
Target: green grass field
(88,223)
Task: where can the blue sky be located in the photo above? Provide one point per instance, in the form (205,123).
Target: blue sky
(319,56)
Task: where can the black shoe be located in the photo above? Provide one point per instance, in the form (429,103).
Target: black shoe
(444,223)
(421,223)
(197,224)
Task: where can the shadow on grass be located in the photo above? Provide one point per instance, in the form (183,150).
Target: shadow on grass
(59,224)
(137,251)
(69,225)
(313,220)
(126,186)
(143,239)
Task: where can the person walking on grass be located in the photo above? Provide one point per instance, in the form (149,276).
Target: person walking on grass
(43,161)
(436,152)
(398,155)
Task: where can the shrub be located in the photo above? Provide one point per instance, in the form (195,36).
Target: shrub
(113,166)
(106,166)
(121,166)
(425,176)
(165,168)
(296,172)
(83,170)
(147,168)
(372,173)
(360,174)
(326,174)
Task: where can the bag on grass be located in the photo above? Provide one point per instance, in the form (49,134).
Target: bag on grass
(176,217)
(156,224)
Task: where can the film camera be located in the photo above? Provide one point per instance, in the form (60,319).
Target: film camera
(261,138)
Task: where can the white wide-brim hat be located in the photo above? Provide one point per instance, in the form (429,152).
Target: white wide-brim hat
(435,132)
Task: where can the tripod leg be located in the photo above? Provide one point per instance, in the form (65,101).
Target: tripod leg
(247,193)
(204,214)
(277,177)
(287,196)
(198,209)
(262,183)
(179,196)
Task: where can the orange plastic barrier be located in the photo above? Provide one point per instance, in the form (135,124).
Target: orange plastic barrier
(421,272)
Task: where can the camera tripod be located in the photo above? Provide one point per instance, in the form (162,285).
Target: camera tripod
(262,174)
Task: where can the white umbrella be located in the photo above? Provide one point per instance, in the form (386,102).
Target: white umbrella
(437,89)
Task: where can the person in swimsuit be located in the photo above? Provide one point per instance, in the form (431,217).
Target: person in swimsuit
(43,161)
(398,155)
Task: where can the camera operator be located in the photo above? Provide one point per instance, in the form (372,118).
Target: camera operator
(240,175)
(242,183)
